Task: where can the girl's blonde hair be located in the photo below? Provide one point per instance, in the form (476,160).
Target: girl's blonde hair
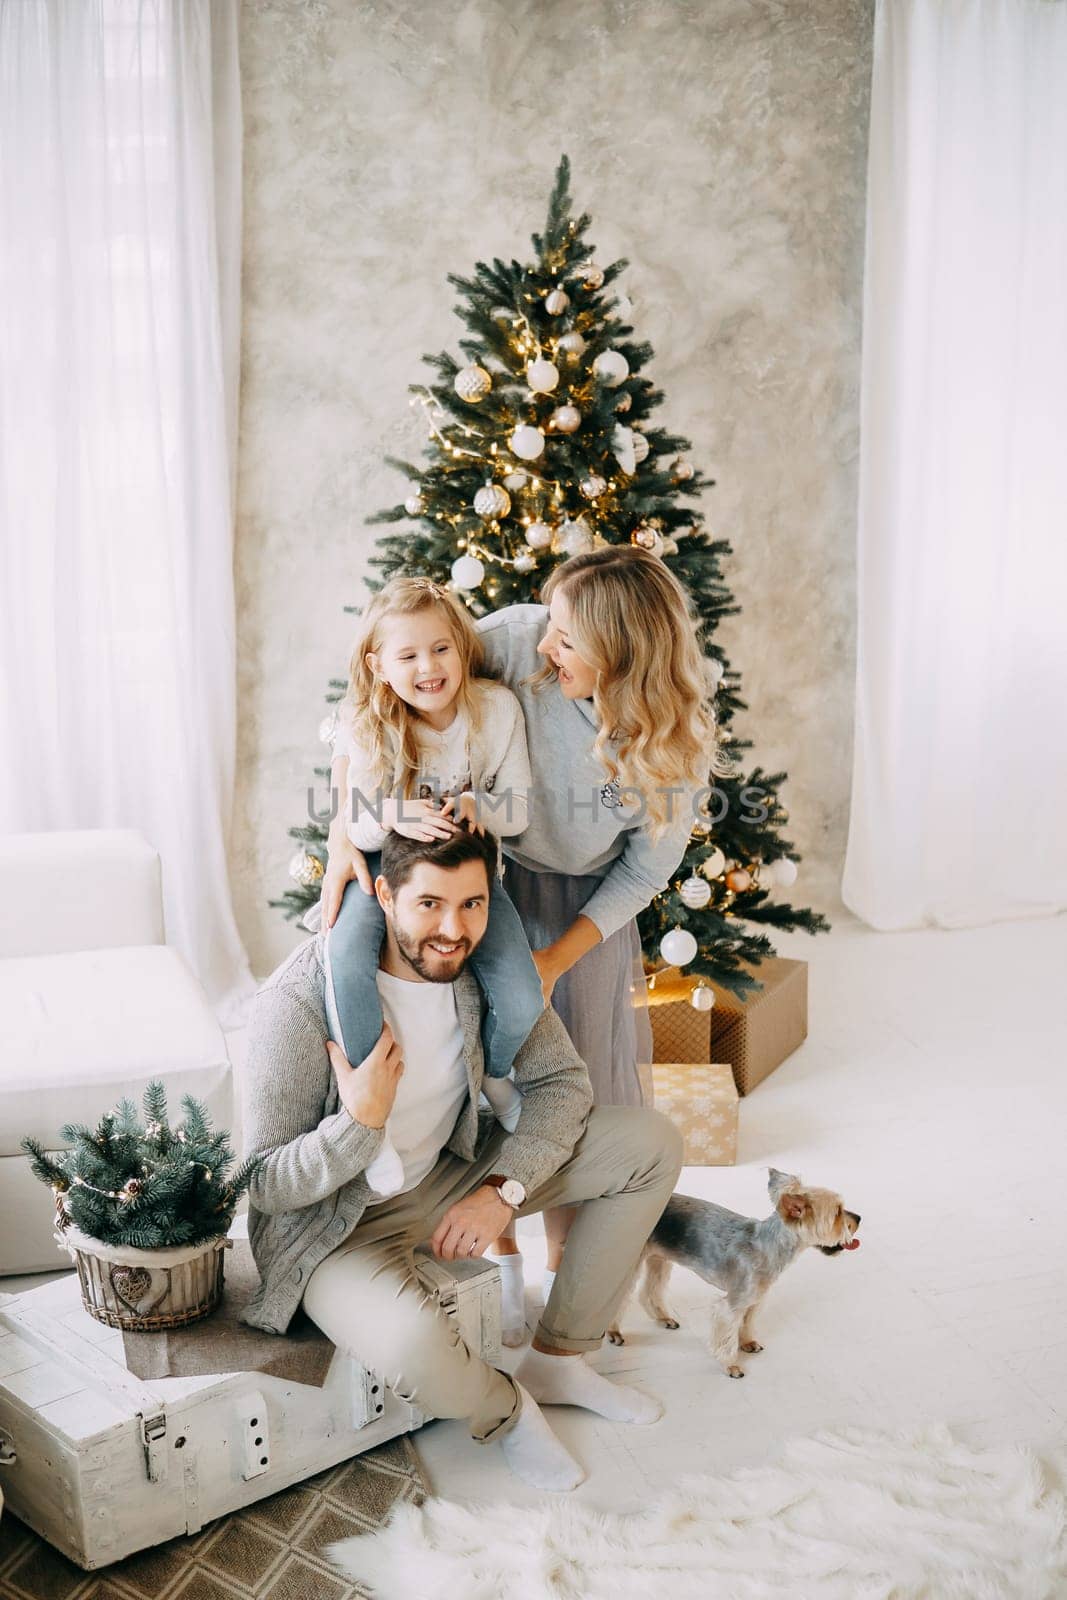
(382,724)
(632,621)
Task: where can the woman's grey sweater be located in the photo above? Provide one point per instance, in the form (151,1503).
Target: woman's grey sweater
(577,825)
(310,1192)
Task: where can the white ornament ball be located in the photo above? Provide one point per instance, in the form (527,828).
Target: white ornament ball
(492,501)
(782,872)
(557,302)
(525,563)
(593,487)
(716,671)
(647,538)
(467,572)
(592,276)
(702,997)
(695,893)
(542,376)
(414,505)
(472,384)
(625,306)
(539,536)
(681,470)
(715,864)
(328,728)
(566,419)
(516,480)
(527,443)
(305,869)
(624,402)
(670,548)
(678,947)
(576,537)
(611,367)
(641,446)
(572,344)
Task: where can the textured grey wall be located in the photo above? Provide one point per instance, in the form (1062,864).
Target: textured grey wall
(721,147)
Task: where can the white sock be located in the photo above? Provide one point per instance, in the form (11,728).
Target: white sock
(512,1299)
(570,1381)
(546,1284)
(385,1175)
(535,1455)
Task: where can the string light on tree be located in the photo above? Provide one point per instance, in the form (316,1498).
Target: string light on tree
(472,384)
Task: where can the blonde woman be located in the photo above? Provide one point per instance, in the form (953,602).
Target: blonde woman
(615,693)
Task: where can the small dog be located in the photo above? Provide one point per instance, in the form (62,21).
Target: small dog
(740,1255)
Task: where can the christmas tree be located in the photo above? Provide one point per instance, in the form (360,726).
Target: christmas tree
(542,443)
(146,1185)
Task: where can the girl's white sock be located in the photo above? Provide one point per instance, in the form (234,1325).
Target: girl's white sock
(569,1381)
(512,1299)
(546,1284)
(385,1175)
(535,1455)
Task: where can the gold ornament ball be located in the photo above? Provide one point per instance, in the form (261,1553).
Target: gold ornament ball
(739,880)
(557,302)
(566,419)
(539,536)
(492,501)
(593,486)
(472,384)
(681,470)
(647,538)
(306,870)
(592,277)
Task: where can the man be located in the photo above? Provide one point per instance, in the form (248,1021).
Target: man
(321,1235)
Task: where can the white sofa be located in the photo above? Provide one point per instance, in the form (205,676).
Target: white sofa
(93,1005)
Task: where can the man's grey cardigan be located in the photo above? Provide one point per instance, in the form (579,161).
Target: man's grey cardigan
(310,1192)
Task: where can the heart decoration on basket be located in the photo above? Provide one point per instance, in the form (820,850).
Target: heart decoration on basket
(133,1286)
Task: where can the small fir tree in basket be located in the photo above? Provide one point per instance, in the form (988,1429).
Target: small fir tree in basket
(145,1185)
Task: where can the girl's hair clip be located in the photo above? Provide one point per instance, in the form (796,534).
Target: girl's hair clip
(430,586)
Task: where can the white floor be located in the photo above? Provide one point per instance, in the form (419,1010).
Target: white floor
(932,1092)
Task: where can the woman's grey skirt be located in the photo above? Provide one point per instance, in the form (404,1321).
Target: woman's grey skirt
(602,999)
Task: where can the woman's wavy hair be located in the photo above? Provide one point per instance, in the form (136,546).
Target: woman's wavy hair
(380,722)
(633,622)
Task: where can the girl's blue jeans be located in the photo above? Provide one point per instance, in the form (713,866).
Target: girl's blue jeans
(501,963)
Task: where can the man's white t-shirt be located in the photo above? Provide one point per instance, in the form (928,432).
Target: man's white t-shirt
(425,1023)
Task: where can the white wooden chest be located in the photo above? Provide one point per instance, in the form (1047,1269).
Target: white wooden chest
(102,1464)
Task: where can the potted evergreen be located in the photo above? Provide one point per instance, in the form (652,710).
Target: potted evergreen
(144,1210)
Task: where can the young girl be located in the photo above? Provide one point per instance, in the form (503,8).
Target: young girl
(428,743)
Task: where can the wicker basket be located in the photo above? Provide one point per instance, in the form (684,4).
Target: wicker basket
(144,1290)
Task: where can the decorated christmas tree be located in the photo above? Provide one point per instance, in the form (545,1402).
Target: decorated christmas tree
(145,1184)
(542,442)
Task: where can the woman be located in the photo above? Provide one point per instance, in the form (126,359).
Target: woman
(615,692)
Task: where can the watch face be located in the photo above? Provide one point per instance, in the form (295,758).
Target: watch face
(513,1192)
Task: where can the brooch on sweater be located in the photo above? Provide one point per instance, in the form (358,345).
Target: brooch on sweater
(609,794)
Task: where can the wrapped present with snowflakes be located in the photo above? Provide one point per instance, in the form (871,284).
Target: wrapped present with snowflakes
(701,1099)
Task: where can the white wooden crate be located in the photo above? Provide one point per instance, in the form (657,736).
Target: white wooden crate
(102,1464)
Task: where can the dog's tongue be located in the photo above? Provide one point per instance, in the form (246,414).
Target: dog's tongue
(853,1244)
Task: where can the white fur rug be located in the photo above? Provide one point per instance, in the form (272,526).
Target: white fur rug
(853,1515)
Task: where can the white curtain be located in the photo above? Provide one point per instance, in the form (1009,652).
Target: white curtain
(960,776)
(120,158)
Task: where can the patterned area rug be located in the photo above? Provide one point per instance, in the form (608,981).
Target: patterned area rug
(270,1551)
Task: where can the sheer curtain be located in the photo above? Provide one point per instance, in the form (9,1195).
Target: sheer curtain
(960,775)
(120,156)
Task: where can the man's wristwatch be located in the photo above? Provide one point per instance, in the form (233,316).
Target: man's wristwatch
(511,1190)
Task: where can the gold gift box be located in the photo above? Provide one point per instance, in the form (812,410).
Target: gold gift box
(701,1100)
(754,1035)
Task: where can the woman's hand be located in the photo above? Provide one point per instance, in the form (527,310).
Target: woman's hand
(417,819)
(559,957)
(549,970)
(344,863)
(464,808)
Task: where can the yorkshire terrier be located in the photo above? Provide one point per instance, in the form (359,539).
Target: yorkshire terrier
(740,1255)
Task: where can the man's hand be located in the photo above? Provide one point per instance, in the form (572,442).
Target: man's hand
(344,863)
(368,1091)
(469,1227)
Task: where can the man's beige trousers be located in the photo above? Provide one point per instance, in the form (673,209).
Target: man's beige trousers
(367,1298)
